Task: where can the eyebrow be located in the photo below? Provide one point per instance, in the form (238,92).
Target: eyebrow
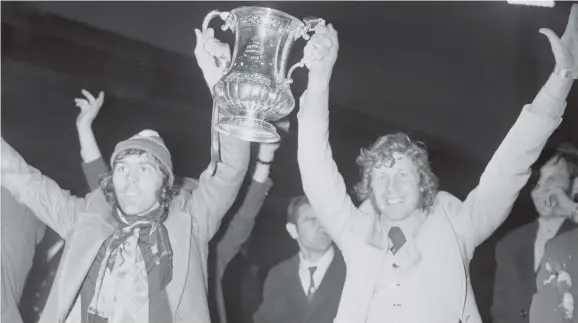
(144,162)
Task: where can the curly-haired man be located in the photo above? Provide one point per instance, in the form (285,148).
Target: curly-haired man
(409,246)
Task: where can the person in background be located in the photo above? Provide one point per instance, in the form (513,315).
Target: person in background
(519,254)
(136,250)
(306,287)
(21,232)
(556,294)
(408,247)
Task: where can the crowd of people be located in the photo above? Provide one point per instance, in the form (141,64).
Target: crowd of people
(136,247)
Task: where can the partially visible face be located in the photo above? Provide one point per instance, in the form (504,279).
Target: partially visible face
(395,189)
(137,181)
(309,232)
(554,174)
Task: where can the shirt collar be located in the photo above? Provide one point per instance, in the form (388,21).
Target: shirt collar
(323,262)
(409,226)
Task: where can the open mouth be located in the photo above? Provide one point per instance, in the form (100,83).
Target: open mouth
(394,201)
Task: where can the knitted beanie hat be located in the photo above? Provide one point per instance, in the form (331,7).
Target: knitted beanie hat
(151,142)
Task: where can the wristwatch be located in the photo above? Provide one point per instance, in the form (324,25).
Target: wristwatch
(262,162)
(564,73)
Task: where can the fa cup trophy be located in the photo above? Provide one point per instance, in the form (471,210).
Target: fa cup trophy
(254,91)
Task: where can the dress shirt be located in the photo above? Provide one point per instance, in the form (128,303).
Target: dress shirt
(547,229)
(322,266)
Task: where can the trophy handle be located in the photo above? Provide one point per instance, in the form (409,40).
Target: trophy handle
(225,17)
(216,13)
(310,24)
(215,143)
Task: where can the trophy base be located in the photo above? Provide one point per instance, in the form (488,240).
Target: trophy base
(248,129)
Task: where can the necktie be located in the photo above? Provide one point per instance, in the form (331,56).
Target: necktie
(397,239)
(311,290)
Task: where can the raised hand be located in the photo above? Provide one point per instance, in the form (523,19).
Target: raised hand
(320,53)
(89,107)
(565,49)
(213,56)
(560,203)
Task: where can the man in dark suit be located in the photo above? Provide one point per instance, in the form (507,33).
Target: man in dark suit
(307,287)
(518,255)
(555,301)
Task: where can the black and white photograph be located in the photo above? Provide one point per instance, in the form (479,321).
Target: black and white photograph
(289,161)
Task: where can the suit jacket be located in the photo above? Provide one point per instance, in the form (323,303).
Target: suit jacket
(285,301)
(561,254)
(514,284)
(85,223)
(449,236)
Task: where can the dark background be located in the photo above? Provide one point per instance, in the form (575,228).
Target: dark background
(453,74)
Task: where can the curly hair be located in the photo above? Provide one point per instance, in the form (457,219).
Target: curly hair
(165,194)
(381,153)
(293,208)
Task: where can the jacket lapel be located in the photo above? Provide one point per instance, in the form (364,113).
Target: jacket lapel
(525,258)
(332,279)
(566,226)
(295,292)
(79,254)
(178,225)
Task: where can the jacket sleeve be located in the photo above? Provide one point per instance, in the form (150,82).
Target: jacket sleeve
(93,171)
(238,231)
(271,309)
(242,223)
(51,204)
(489,204)
(215,194)
(322,183)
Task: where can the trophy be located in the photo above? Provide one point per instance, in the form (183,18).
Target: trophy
(254,90)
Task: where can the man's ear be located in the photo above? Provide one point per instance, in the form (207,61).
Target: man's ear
(292,229)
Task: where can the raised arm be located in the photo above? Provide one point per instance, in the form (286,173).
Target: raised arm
(242,223)
(488,205)
(92,163)
(51,204)
(216,193)
(322,182)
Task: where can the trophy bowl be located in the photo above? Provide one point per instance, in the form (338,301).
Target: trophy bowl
(254,91)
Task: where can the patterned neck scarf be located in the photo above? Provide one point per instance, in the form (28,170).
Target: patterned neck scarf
(122,287)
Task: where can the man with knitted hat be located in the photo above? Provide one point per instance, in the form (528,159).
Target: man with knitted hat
(136,250)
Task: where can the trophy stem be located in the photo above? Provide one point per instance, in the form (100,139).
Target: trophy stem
(249,129)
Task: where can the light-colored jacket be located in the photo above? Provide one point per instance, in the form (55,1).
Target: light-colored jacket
(21,232)
(438,290)
(85,223)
